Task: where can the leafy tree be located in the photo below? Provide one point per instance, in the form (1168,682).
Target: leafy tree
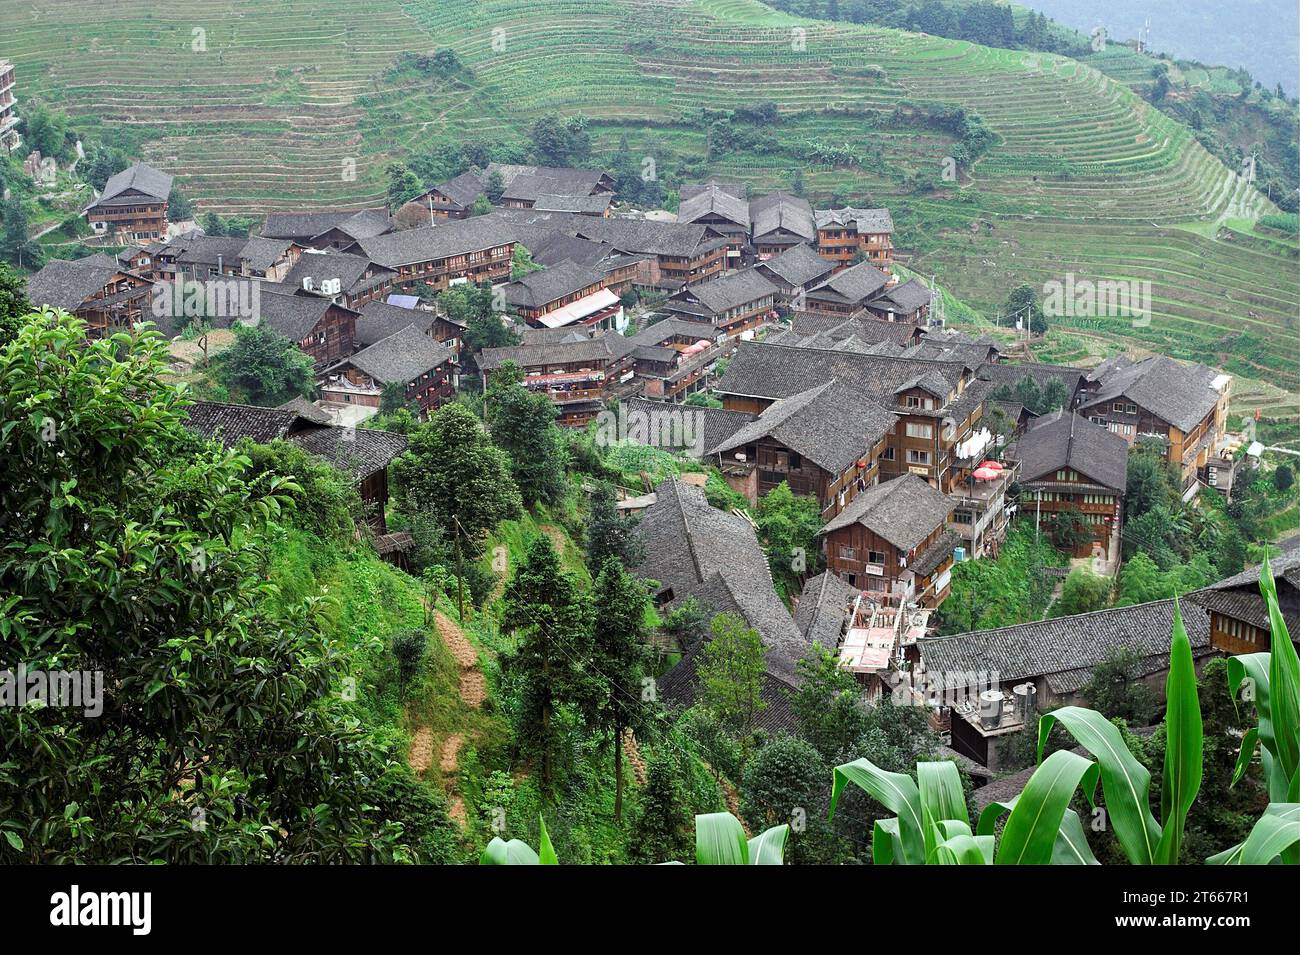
(663,827)
(1022,302)
(523,425)
(702,399)
(1149,482)
(179,208)
(320,498)
(481,206)
(828,705)
(786,782)
(522,264)
(558,142)
(15,244)
(403,186)
(1283,478)
(452,472)
(550,619)
(408,648)
(220,734)
(619,658)
(265,368)
(608,533)
(1010,589)
(731,674)
(1083,592)
(495,186)
(105,162)
(1116,690)
(686,624)
(788,526)
(13,304)
(392,398)
(213,225)
(1069,531)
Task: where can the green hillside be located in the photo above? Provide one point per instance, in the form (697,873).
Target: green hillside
(1084,175)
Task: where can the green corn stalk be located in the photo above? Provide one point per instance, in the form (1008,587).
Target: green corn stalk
(518,852)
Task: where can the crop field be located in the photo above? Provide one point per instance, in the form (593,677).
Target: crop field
(284,100)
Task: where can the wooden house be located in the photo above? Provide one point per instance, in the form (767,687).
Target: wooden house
(849,234)
(321,327)
(425,370)
(1239,620)
(735,304)
(575,372)
(778,222)
(335,230)
(350,280)
(470,250)
(132,206)
(107,297)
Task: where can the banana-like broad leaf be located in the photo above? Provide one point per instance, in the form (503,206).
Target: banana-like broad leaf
(939,784)
(546,851)
(1273,834)
(1184,739)
(1071,846)
(897,793)
(720,840)
(514,852)
(1284,688)
(768,848)
(885,845)
(1031,830)
(1124,780)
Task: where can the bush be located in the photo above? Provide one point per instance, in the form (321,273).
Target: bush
(408,648)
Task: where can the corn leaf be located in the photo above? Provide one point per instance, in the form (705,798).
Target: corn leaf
(1254,667)
(514,852)
(965,850)
(1249,743)
(1284,685)
(1124,780)
(720,840)
(897,793)
(1030,833)
(546,851)
(1273,834)
(885,847)
(1071,846)
(1184,740)
(768,848)
(942,797)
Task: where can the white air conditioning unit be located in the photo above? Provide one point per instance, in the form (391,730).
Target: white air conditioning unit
(307,284)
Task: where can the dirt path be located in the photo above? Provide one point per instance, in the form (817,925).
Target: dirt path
(473,687)
(421,755)
(634,757)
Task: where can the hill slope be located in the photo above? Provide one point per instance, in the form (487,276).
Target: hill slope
(1085,176)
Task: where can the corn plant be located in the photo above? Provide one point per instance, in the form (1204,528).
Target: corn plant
(719,840)
(1274,681)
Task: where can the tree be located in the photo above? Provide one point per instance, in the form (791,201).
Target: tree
(220,734)
(828,705)
(663,827)
(1022,304)
(15,243)
(179,208)
(558,142)
(452,472)
(619,658)
(786,782)
(797,185)
(495,186)
(14,305)
(408,650)
(212,224)
(522,264)
(403,186)
(1083,592)
(523,425)
(788,526)
(1149,482)
(1283,478)
(1116,690)
(550,620)
(265,368)
(1069,531)
(731,674)
(608,533)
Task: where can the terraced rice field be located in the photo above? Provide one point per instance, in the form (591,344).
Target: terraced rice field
(1086,177)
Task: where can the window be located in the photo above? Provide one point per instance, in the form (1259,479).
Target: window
(796,462)
(875,557)
(887,455)
(917,457)
(963,517)
(920,430)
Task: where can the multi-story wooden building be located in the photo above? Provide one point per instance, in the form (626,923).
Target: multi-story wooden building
(423,367)
(470,250)
(546,187)
(908,303)
(673,358)
(794,272)
(318,325)
(848,234)
(824,443)
(451,199)
(778,222)
(327,230)
(735,304)
(576,373)
(133,206)
(351,280)
(892,542)
(723,209)
(847,293)
(107,297)
(1072,468)
(1184,407)
(563,295)
(9,138)
(1239,620)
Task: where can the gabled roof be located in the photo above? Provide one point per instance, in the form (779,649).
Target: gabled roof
(906,298)
(1065,649)
(558,247)
(1067,440)
(429,243)
(713,200)
(358,452)
(67,284)
(462,189)
(717,424)
(401,357)
(261,253)
(608,347)
(798,265)
(307,410)
(865,329)
(309,225)
(904,511)
(540,288)
(1012,373)
(586,205)
(528,183)
(349,269)
(696,550)
(830,425)
(823,609)
(378,320)
(140,178)
(729,291)
(1179,394)
(782,212)
(293,316)
(857,284)
(863,220)
(230,423)
(731,188)
(1238,596)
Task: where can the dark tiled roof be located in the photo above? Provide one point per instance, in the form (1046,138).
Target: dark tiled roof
(587,205)
(528,183)
(935,554)
(358,452)
(609,346)
(557,247)
(261,253)
(293,316)
(462,189)
(904,511)
(697,550)
(798,265)
(1012,373)
(781,212)
(732,290)
(308,225)
(823,609)
(731,188)
(195,248)
(139,178)
(864,220)
(65,285)
(308,410)
(230,423)
(830,425)
(1066,647)
(907,297)
(718,423)
(1238,596)
(401,357)
(1179,394)
(858,283)
(678,686)
(429,243)
(550,284)
(349,269)
(712,200)
(378,320)
(1066,440)
(865,329)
